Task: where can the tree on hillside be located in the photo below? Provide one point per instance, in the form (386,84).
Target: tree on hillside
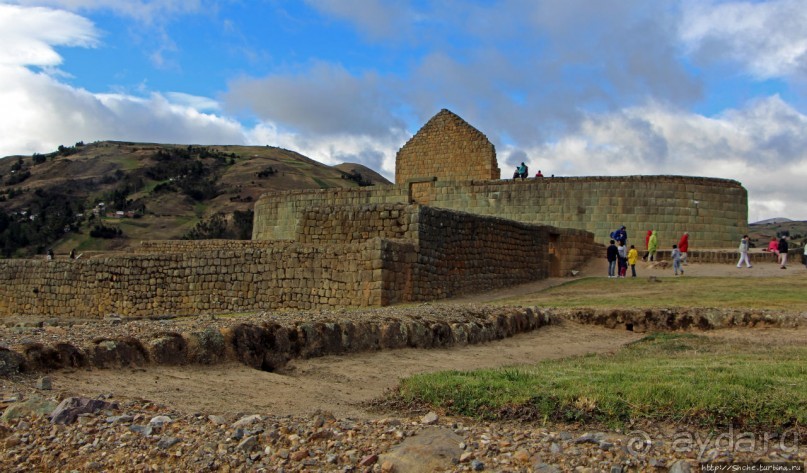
(27,233)
(213,228)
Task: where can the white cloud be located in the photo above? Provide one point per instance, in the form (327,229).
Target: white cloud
(323,99)
(41,112)
(524,83)
(47,113)
(378,19)
(146,11)
(29,34)
(378,153)
(193,101)
(762,145)
(768,38)
(154,18)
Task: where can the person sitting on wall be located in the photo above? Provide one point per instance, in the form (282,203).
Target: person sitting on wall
(773,247)
(521,171)
(539,174)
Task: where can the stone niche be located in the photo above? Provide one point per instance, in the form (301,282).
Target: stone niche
(447,148)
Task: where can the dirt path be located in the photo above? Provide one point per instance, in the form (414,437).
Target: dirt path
(334,384)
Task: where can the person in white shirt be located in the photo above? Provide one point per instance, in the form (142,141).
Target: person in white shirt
(743,249)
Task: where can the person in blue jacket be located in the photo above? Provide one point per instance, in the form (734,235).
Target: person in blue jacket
(521,171)
(620,235)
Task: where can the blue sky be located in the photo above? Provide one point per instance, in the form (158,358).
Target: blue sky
(573,87)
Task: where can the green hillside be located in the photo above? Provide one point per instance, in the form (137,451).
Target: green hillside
(109,195)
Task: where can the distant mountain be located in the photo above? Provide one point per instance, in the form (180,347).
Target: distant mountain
(762,232)
(772,220)
(110,195)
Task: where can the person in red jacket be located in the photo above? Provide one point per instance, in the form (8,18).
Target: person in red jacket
(683,247)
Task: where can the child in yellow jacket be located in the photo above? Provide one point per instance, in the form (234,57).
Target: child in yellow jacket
(633,255)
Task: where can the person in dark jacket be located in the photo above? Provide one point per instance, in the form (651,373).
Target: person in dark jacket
(611,254)
(783,252)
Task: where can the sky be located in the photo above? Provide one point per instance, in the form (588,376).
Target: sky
(574,87)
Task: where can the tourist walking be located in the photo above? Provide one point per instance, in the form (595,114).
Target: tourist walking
(743,249)
(804,256)
(611,254)
(683,247)
(652,246)
(622,260)
(676,257)
(647,245)
(633,255)
(783,247)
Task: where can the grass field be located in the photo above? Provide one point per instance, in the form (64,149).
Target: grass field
(680,378)
(684,378)
(753,293)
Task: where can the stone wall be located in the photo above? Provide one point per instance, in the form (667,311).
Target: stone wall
(454,253)
(457,253)
(371,256)
(713,211)
(448,148)
(285,274)
(447,253)
(197,246)
(341,224)
(279,218)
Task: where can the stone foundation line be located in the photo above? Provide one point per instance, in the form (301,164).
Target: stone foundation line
(269,346)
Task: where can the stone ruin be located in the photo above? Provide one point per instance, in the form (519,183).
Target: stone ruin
(451,165)
(449,149)
(447,227)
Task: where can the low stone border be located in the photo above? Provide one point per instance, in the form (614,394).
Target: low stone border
(671,319)
(269,344)
(728,256)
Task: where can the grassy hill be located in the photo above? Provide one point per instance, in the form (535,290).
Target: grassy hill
(71,198)
(761,233)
